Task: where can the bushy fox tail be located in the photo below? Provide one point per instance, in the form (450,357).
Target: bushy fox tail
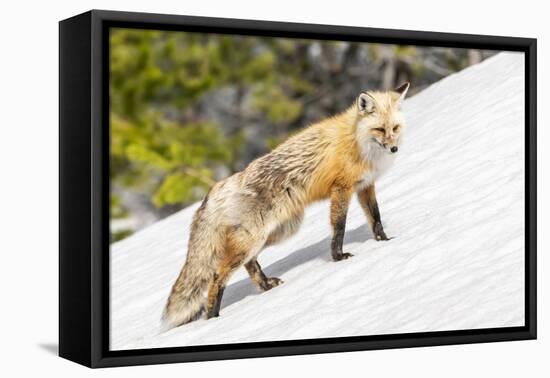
(187,299)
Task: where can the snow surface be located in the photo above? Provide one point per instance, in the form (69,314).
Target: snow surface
(454,201)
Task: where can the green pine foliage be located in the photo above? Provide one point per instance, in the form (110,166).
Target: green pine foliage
(160,144)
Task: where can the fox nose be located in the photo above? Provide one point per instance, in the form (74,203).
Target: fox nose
(393,149)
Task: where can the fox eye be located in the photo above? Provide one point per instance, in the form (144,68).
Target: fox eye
(396,127)
(381,129)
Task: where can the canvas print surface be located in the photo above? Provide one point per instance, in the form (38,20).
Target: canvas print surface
(267,189)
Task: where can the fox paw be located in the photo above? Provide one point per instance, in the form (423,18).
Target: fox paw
(271,282)
(379,233)
(212,314)
(342,256)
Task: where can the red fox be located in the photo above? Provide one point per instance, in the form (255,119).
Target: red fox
(264,204)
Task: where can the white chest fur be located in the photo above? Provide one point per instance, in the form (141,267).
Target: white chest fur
(380,161)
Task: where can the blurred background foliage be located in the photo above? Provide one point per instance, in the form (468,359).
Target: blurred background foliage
(188,109)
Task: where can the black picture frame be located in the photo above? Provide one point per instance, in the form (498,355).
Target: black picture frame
(84,188)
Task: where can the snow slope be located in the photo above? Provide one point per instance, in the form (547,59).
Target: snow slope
(454,201)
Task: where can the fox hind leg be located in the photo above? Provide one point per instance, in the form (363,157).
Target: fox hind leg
(282,231)
(217,287)
(229,264)
(258,276)
(215,294)
(239,246)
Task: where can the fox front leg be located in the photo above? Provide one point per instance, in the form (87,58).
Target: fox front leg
(339,203)
(367,199)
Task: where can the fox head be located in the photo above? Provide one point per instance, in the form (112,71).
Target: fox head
(380,122)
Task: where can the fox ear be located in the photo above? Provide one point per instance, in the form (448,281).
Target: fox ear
(365,103)
(402,90)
